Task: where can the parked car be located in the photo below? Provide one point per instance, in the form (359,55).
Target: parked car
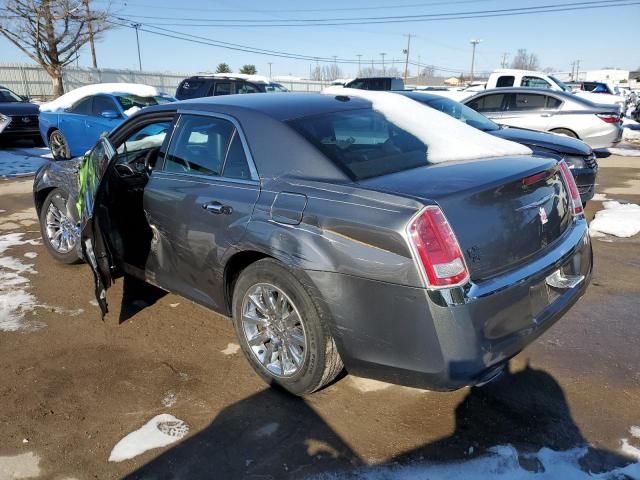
(599,126)
(18,117)
(74,129)
(334,236)
(210,85)
(510,77)
(376,83)
(577,154)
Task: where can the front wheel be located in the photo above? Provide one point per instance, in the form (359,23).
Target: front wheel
(280,330)
(59,146)
(60,231)
(565,132)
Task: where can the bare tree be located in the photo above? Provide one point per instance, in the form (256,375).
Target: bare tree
(525,60)
(51,32)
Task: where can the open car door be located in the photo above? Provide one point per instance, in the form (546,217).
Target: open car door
(94,246)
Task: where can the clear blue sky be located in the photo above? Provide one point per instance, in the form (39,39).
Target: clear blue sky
(598,38)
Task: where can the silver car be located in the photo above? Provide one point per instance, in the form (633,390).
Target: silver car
(599,126)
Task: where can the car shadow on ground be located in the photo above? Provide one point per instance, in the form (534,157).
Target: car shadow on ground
(274,435)
(136,296)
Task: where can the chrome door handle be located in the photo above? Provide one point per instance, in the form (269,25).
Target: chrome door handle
(217,208)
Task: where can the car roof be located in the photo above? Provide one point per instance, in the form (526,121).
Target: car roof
(280,106)
(543,91)
(419,95)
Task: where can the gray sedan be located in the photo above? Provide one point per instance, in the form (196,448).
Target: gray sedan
(331,233)
(599,126)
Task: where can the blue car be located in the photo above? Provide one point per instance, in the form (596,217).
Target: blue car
(71,132)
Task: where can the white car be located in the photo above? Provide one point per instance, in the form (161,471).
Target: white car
(599,126)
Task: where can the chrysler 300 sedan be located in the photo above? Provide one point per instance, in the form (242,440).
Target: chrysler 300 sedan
(344,231)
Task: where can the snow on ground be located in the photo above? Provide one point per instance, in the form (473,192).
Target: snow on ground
(68,99)
(625,150)
(501,463)
(16,162)
(160,431)
(618,219)
(448,139)
(231,349)
(23,465)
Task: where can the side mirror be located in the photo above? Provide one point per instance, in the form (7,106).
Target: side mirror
(25,98)
(109,114)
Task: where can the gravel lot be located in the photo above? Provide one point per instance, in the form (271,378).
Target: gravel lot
(72,386)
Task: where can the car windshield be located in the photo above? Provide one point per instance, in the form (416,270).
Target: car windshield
(274,87)
(130,101)
(461,112)
(8,96)
(560,83)
(363,143)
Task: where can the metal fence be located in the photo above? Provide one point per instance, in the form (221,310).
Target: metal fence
(34,82)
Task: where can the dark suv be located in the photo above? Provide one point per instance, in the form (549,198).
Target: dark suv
(18,117)
(376,83)
(225,84)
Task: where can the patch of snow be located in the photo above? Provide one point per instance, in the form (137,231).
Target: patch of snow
(19,162)
(500,463)
(231,349)
(69,99)
(160,431)
(630,133)
(618,219)
(599,197)
(447,139)
(24,465)
(94,303)
(169,399)
(244,76)
(267,430)
(624,151)
(631,450)
(130,111)
(174,305)
(30,255)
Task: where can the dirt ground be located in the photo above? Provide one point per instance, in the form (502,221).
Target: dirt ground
(72,386)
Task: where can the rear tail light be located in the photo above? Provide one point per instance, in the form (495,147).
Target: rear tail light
(436,249)
(608,117)
(576,202)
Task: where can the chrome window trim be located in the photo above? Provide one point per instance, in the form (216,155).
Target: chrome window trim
(245,145)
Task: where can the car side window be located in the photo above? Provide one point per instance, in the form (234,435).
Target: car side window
(553,103)
(102,104)
(199,145)
(223,88)
(505,81)
(528,101)
(248,88)
(536,82)
(488,103)
(236,165)
(83,107)
(148,136)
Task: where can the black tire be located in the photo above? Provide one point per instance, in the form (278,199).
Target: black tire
(321,362)
(564,131)
(60,199)
(59,146)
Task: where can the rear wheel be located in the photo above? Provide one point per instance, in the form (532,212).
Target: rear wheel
(280,330)
(565,132)
(60,231)
(59,146)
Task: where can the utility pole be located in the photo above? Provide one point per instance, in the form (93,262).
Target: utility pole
(270,63)
(359,58)
(503,64)
(383,69)
(406,58)
(573,68)
(94,61)
(577,70)
(137,26)
(473,56)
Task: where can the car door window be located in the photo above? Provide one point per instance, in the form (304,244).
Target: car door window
(488,103)
(536,82)
(505,81)
(223,88)
(148,136)
(248,88)
(102,104)
(199,146)
(83,107)
(553,103)
(236,165)
(527,101)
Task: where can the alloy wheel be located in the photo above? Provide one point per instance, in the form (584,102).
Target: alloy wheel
(58,145)
(61,230)
(274,330)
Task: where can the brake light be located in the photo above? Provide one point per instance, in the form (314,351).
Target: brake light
(576,202)
(436,248)
(608,117)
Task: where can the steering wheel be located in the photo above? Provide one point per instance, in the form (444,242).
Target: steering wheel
(153,152)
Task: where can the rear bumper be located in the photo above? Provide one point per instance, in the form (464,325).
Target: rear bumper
(446,339)
(605,139)
(585,180)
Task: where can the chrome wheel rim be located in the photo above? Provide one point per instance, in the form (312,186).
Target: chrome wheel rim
(274,330)
(61,230)
(58,145)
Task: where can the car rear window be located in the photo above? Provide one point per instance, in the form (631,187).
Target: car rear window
(193,88)
(363,143)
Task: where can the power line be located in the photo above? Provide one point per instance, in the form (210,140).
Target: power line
(549,8)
